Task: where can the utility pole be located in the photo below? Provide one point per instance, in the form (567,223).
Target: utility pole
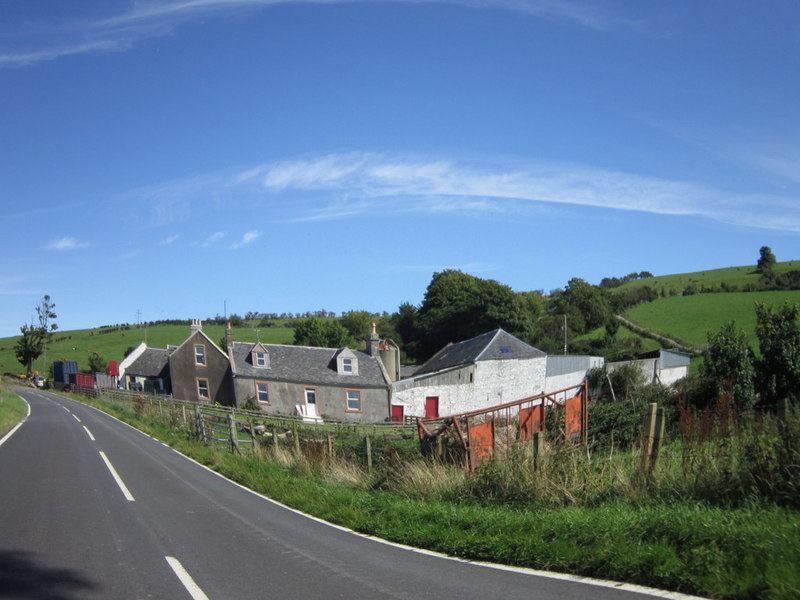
(565,334)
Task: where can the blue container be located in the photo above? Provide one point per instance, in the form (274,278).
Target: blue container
(62,370)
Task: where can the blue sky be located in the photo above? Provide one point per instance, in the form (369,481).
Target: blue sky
(178,159)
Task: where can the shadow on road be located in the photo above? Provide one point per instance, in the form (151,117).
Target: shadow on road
(24,576)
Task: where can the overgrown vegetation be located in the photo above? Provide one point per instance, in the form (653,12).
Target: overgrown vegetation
(718,517)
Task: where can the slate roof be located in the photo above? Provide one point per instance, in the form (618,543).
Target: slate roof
(306,365)
(493,345)
(151,363)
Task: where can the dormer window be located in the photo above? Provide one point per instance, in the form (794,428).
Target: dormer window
(346,362)
(260,357)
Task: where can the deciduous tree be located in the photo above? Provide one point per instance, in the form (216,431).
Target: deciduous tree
(729,365)
(35,336)
(323,333)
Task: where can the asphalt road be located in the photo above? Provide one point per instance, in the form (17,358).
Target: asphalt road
(91,508)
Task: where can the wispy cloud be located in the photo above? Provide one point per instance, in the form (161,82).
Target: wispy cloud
(341,186)
(66,243)
(212,239)
(247,238)
(170,240)
(143,20)
(362,181)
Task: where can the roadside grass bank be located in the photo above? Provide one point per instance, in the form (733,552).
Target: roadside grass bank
(596,521)
(12,410)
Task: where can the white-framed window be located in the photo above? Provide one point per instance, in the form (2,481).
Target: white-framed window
(260,359)
(311,395)
(200,355)
(347,363)
(353,400)
(202,389)
(262,392)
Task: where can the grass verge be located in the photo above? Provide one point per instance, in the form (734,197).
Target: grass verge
(744,552)
(12,410)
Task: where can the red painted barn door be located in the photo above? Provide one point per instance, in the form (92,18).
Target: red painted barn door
(398,413)
(432,407)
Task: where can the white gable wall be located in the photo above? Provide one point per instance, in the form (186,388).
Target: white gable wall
(472,387)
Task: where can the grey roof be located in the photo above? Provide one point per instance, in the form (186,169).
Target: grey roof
(151,363)
(493,345)
(306,365)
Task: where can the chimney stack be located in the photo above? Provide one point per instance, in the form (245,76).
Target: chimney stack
(373,341)
(197,325)
(229,339)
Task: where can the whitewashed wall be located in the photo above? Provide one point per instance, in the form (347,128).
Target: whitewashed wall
(673,374)
(651,371)
(472,387)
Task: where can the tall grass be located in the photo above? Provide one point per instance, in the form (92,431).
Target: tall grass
(718,521)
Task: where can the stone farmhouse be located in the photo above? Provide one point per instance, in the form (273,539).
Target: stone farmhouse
(328,383)
(146,369)
(487,370)
(343,384)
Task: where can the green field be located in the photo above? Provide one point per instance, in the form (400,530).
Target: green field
(739,277)
(690,318)
(112,342)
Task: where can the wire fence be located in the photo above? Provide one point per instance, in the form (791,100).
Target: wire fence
(373,445)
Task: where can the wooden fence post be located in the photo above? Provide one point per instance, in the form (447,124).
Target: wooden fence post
(537,444)
(275,438)
(234,434)
(330,446)
(199,429)
(654,433)
(369,454)
(296,436)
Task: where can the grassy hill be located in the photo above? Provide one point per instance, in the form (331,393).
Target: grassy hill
(690,318)
(743,277)
(112,342)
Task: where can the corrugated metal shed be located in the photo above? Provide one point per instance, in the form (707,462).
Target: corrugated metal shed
(562,365)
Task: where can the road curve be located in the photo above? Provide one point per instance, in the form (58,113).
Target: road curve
(92,508)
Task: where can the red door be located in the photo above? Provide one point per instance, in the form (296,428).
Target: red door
(398,414)
(432,407)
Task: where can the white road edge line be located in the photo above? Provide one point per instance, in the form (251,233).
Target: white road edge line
(186,579)
(117,478)
(603,583)
(89,433)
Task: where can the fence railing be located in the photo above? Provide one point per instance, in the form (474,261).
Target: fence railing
(245,431)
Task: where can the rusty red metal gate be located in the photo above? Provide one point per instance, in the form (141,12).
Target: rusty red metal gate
(477,436)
